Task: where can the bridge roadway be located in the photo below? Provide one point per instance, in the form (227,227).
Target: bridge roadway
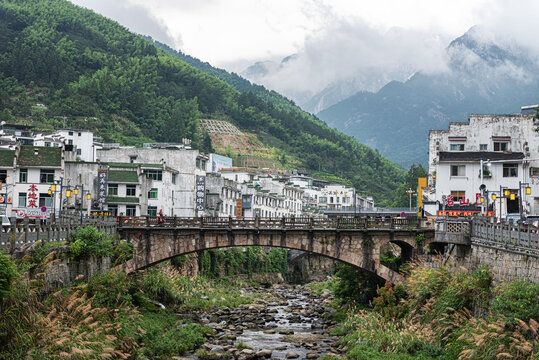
(356,241)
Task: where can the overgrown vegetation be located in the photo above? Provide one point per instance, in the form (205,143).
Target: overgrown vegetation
(439,314)
(111,316)
(249,260)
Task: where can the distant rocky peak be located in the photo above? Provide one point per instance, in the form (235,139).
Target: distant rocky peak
(479,48)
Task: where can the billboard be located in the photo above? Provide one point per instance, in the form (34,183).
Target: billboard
(102,186)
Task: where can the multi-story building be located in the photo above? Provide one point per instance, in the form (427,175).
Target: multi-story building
(482,156)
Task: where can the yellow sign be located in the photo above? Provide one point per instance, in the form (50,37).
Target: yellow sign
(421,183)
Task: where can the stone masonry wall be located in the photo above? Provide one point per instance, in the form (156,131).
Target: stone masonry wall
(505,266)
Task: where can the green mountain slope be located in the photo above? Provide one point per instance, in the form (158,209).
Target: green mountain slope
(92,73)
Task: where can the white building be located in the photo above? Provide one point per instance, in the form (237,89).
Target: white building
(177,174)
(508,148)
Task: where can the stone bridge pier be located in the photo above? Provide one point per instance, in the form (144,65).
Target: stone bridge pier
(358,247)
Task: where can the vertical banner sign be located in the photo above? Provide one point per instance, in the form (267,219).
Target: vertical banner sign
(200,193)
(238,208)
(102,186)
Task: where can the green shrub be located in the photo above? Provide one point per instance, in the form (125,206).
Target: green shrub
(8,274)
(111,289)
(166,337)
(354,284)
(161,284)
(518,299)
(88,241)
(122,252)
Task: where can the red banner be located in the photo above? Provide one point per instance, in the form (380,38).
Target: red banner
(462,213)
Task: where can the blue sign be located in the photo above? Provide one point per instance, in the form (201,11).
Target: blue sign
(43,209)
(403,214)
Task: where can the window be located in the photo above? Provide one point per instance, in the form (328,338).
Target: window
(69,142)
(22,199)
(483,147)
(80,133)
(456,147)
(152,194)
(46,176)
(47,144)
(174,178)
(154,174)
(45,200)
(458,195)
(132,158)
(510,170)
(130,210)
(113,189)
(70,133)
(501,146)
(331,199)
(458,170)
(152,210)
(131,190)
(113,209)
(79,151)
(23,175)
(3,176)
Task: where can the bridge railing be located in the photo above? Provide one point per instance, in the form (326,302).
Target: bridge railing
(519,236)
(271,222)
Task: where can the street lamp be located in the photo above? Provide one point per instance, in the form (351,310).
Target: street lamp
(528,191)
(410,192)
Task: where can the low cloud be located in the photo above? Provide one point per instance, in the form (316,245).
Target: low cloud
(135,17)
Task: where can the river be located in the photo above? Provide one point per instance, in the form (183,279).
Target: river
(287,322)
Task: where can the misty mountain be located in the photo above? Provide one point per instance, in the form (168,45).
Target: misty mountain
(485,75)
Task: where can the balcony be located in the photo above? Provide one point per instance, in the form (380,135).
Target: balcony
(486,174)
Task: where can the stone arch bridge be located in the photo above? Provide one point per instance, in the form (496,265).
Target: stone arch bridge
(356,241)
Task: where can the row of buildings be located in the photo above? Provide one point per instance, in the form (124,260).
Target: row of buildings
(486,165)
(45,174)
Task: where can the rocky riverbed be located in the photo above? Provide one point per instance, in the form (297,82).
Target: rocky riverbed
(289,322)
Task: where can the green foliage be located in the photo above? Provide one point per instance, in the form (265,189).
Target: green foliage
(420,239)
(355,285)
(402,197)
(165,336)
(40,252)
(122,252)
(517,300)
(235,261)
(8,274)
(160,287)
(88,241)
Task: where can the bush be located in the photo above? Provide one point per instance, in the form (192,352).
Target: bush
(354,284)
(166,337)
(86,242)
(518,299)
(8,273)
(122,252)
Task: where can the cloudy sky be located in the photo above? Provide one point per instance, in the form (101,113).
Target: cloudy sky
(335,39)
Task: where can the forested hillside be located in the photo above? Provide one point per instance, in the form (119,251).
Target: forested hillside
(90,72)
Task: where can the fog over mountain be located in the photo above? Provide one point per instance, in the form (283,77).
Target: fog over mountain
(485,74)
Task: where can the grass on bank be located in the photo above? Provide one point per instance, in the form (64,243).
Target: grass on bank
(440,314)
(112,316)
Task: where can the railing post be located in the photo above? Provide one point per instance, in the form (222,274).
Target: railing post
(519,230)
(257,221)
(175,221)
(25,230)
(283,222)
(338,222)
(392,223)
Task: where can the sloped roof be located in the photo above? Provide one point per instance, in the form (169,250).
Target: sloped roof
(478,155)
(122,176)
(40,156)
(6,157)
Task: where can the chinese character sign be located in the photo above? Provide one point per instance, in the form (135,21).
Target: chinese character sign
(200,193)
(32,196)
(102,186)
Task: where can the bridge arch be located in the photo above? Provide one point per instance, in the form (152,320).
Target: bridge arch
(360,248)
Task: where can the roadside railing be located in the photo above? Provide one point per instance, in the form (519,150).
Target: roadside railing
(517,236)
(271,222)
(18,234)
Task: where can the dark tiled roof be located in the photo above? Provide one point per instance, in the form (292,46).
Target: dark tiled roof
(40,156)
(118,199)
(122,176)
(6,157)
(478,155)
